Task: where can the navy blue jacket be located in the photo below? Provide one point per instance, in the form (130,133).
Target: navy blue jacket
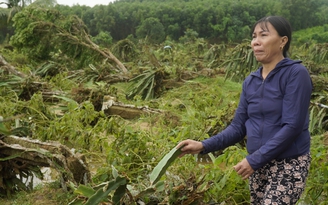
(273,113)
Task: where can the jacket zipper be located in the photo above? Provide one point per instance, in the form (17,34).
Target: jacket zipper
(261,110)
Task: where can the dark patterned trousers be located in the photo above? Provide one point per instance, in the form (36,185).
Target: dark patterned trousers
(280,182)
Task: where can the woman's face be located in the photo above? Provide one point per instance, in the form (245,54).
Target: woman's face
(266,43)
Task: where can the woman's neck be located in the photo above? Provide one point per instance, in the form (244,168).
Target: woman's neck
(268,67)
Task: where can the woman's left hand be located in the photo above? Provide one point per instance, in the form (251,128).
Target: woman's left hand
(244,169)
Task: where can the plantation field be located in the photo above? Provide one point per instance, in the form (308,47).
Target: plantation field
(195,109)
(103,111)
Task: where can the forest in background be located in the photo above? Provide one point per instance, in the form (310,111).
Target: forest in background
(216,21)
(60,64)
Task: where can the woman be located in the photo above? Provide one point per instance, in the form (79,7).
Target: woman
(273,114)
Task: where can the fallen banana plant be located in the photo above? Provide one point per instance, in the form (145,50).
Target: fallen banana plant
(3,129)
(101,193)
(21,156)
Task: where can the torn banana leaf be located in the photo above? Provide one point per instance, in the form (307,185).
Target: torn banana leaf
(161,167)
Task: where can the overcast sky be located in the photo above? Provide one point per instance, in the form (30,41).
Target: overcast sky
(90,3)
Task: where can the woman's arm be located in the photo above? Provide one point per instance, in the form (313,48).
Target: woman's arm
(234,133)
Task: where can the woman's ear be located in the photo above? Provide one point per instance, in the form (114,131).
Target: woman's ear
(284,41)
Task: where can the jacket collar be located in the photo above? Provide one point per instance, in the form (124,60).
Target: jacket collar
(286,62)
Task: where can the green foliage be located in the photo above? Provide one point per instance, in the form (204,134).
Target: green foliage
(190,35)
(215,55)
(152,30)
(318,34)
(225,180)
(228,20)
(316,185)
(43,34)
(196,108)
(125,50)
(101,192)
(3,129)
(161,167)
(317,116)
(147,85)
(31,37)
(129,152)
(240,62)
(314,57)
(319,53)
(48,69)
(119,185)
(48,192)
(103,39)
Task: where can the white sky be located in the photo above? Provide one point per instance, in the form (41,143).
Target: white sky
(90,3)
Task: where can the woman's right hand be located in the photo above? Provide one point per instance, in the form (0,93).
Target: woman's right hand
(190,147)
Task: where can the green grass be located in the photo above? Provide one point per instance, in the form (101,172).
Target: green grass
(48,194)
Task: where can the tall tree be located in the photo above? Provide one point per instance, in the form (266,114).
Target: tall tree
(303,13)
(151,29)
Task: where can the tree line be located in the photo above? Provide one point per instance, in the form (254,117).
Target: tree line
(218,21)
(213,20)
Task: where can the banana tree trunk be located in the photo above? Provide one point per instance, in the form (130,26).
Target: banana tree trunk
(26,152)
(11,69)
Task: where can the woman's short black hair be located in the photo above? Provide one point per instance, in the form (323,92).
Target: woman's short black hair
(282,27)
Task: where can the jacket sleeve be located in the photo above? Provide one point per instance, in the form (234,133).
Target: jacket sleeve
(296,103)
(232,134)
